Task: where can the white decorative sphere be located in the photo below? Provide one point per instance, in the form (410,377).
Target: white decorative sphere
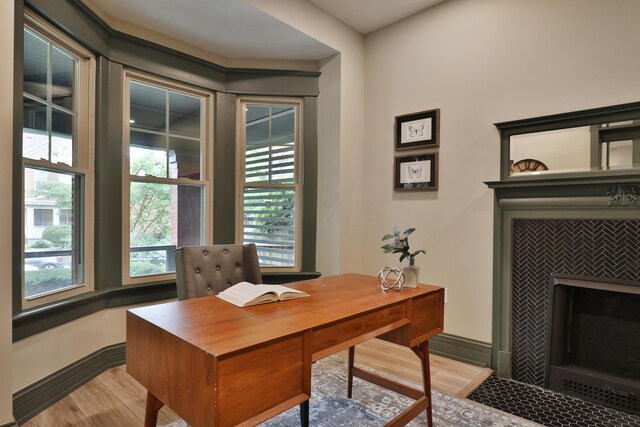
(391,273)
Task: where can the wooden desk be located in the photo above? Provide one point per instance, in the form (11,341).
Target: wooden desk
(215,364)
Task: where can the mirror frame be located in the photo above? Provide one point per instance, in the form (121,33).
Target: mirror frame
(611,114)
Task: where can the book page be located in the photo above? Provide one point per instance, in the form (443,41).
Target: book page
(245,294)
(247,291)
(285,293)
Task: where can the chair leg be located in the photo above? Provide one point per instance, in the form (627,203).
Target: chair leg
(304,414)
(352,352)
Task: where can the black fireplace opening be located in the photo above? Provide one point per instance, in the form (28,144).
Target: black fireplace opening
(604,332)
(594,341)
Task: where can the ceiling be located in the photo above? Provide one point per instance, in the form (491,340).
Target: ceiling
(366,16)
(237,30)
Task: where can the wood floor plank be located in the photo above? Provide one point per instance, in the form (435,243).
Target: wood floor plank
(132,394)
(474,384)
(64,413)
(447,375)
(30,423)
(102,407)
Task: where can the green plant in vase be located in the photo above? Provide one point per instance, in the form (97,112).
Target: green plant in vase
(400,245)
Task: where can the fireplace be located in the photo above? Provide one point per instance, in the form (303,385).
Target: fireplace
(593,341)
(575,225)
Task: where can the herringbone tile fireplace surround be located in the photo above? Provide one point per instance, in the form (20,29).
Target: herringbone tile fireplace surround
(603,248)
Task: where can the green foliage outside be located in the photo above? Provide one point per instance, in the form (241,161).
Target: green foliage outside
(142,268)
(150,205)
(59,235)
(40,244)
(40,281)
(55,190)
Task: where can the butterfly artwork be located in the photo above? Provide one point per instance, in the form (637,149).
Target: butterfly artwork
(416,131)
(415,171)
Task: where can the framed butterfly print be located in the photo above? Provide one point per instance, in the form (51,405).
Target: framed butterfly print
(418,130)
(416,172)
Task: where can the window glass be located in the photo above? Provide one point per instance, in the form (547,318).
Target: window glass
(148,107)
(62,78)
(57,234)
(184,158)
(163,217)
(269,222)
(35,134)
(270,152)
(271,189)
(184,115)
(36,65)
(148,154)
(49,232)
(61,137)
(165,147)
(49,110)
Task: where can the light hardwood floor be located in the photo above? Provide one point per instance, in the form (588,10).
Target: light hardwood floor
(114,399)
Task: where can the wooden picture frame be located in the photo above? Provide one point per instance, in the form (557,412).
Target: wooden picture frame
(418,130)
(418,172)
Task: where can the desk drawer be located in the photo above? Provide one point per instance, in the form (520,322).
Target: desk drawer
(341,335)
(255,381)
(427,317)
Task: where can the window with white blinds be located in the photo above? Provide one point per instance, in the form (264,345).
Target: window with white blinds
(269,180)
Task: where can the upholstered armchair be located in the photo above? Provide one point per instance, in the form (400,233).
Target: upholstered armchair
(208,270)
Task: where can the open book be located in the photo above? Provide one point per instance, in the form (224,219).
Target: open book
(245,294)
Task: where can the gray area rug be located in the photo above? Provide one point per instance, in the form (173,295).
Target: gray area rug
(374,406)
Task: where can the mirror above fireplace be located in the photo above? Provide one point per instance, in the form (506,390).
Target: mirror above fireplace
(589,142)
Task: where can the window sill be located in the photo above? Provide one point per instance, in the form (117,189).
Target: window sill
(39,319)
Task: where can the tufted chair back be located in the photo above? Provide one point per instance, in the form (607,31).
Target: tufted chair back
(208,270)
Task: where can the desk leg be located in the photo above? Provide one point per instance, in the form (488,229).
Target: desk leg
(304,414)
(151,412)
(426,377)
(422,397)
(352,351)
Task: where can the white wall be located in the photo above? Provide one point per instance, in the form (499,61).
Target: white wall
(339,154)
(40,355)
(480,62)
(6,143)
(327,253)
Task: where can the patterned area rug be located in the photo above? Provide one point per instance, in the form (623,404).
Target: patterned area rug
(374,406)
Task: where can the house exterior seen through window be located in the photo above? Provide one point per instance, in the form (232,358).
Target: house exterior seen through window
(57,159)
(167,183)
